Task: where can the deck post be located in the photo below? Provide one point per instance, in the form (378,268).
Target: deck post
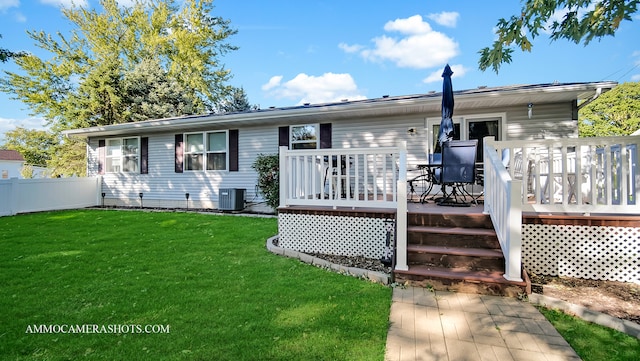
(401,213)
(283,175)
(513,256)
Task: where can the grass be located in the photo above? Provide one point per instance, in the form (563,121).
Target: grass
(208,277)
(593,342)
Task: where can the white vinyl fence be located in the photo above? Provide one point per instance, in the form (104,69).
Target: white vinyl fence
(36,195)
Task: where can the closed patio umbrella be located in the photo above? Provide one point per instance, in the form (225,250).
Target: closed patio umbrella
(446,124)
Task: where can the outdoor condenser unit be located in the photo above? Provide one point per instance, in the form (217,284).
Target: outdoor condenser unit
(231,199)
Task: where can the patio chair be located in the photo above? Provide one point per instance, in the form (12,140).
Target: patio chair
(458,170)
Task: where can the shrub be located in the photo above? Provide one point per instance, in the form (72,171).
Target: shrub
(268,168)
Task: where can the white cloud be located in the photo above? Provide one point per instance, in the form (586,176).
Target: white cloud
(410,25)
(458,71)
(8,4)
(350,48)
(273,82)
(28,123)
(329,87)
(420,47)
(445,18)
(66,3)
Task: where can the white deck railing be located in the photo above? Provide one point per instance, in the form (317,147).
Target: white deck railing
(502,200)
(576,175)
(350,177)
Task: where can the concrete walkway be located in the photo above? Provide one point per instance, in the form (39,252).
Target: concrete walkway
(438,325)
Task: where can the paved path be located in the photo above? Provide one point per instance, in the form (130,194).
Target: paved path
(437,325)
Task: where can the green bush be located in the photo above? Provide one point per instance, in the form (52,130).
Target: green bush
(268,168)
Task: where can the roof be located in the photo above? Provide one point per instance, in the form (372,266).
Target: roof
(481,97)
(11,155)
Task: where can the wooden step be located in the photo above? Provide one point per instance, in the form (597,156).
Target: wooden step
(452,230)
(453,237)
(461,280)
(457,251)
(472,220)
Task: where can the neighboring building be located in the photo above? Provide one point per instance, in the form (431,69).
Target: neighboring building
(11,162)
(165,159)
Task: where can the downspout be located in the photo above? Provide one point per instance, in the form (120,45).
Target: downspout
(598,93)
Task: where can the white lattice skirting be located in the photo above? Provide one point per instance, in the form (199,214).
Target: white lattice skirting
(589,252)
(346,236)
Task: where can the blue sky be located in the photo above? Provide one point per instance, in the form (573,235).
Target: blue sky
(293,52)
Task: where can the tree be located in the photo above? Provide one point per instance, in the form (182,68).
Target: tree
(35,146)
(616,112)
(582,22)
(68,158)
(150,93)
(84,83)
(237,101)
(7,54)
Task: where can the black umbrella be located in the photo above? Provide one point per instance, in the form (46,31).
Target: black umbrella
(446,124)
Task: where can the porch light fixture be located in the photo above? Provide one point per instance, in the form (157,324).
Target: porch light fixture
(412,131)
(530,110)
(186,195)
(140,195)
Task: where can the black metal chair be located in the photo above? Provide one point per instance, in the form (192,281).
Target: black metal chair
(458,170)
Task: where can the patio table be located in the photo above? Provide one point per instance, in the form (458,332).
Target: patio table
(427,176)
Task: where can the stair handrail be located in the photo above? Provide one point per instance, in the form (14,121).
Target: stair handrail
(502,201)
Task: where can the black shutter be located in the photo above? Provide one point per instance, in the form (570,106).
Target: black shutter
(233,150)
(325,135)
(144,155)
(283,136)
(179,148)
(101,155)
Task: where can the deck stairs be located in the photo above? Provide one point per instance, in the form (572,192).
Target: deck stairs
(456,251)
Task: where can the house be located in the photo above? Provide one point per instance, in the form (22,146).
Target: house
(11,162)
(344,167)
(164,159)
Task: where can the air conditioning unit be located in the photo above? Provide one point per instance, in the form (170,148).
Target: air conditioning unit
(231,199)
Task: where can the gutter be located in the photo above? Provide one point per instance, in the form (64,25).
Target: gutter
(598,93)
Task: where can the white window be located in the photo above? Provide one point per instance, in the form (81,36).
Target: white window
(304,136)
(469,127)
(206,151)
(123,155)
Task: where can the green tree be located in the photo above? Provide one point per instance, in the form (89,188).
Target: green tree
(616,112)
(150,93)
(582,22)
(8,54)
(237,101)
(69,158)
(84,81)
(35,146)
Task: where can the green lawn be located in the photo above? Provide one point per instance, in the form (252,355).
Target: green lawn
(208,278)
(593,342)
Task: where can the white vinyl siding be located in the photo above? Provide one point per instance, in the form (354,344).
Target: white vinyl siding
(163,183)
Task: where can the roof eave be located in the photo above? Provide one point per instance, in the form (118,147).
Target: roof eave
(326,112)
